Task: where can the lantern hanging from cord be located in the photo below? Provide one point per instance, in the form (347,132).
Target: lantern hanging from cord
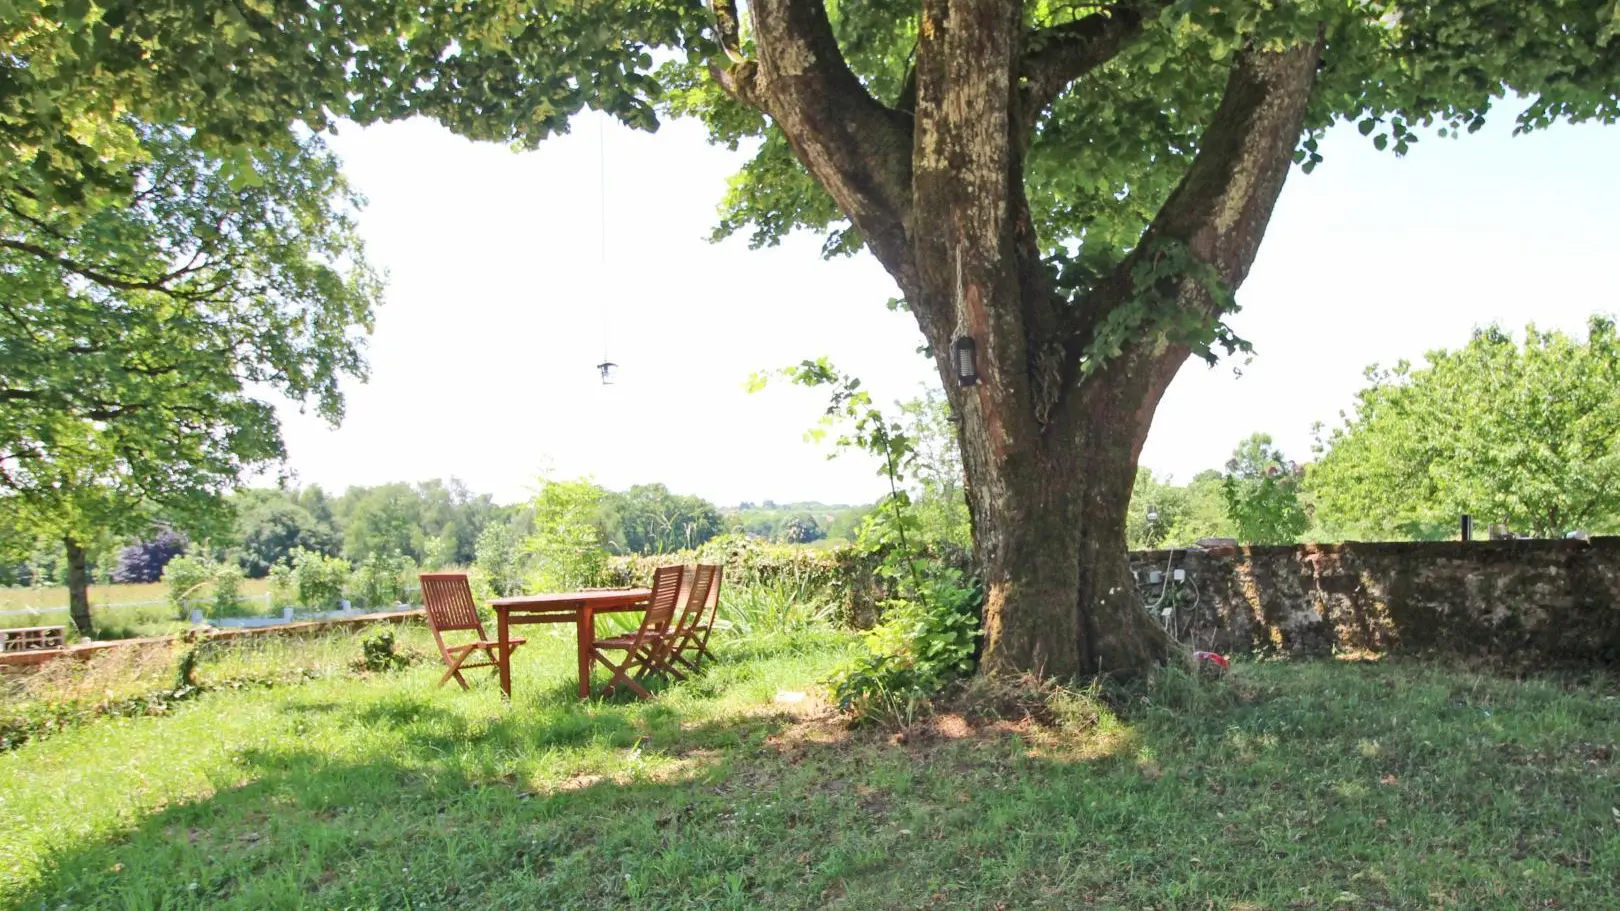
(607,367)
(964,355)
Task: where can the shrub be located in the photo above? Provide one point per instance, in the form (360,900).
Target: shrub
(926,641)
(499,559)
(377,653)
(567,545)
(318,580)
(144,561)
(784,603)
(380,580)
(227,579)
(283,587)
(853,582)
(186,576)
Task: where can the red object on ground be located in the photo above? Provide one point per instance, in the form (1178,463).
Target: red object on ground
(1218,660)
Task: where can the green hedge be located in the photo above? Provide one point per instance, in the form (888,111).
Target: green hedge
(845,576)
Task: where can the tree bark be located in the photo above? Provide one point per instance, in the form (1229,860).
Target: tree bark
(936,188)
(78,585)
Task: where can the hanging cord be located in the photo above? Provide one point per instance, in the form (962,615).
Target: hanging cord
(601,221)
(960,328)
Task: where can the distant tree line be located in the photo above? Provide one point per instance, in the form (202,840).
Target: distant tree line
(1524,436)
(795,523)
(433,524)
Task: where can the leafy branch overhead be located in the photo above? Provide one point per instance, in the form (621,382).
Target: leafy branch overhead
(1115,100)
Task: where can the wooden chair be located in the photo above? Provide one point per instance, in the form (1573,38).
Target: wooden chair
(689,644)
(645,650)
(447,599)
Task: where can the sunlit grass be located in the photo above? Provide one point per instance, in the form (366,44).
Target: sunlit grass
(125,609)
(1291,786)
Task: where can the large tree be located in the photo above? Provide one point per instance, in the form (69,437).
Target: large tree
(1078,188)
(138,329)
(1527,435)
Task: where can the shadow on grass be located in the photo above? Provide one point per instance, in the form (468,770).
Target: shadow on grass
(451,802)
(1383,784)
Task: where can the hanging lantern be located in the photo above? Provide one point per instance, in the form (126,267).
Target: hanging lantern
(1153,515)
(606,368)
(964,355)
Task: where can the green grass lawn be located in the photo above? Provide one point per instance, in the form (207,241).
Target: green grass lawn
(1289,786)
(55,597)
(123,609)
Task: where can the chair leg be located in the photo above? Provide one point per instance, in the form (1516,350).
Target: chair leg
(667,660)
(621,674)
(456,673)
(686,662)
(453,658)
(703,651)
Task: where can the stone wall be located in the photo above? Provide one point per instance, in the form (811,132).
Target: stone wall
(1552,602)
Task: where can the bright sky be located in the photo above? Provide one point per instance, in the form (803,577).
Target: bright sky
(499,304)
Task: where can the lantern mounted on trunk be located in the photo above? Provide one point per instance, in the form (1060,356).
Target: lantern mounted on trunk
(964,355)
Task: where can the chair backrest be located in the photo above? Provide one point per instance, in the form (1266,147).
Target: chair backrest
(711,607)
(705,589)
(666,595)
(448,599)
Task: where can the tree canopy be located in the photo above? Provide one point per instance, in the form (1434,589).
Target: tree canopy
(1114,98)
(1527,435)
(138,334)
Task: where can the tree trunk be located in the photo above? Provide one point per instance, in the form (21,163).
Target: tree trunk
(1060,599)
(935,186)
(78,584)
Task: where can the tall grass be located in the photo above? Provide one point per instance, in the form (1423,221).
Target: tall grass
(146,678)
(785,603)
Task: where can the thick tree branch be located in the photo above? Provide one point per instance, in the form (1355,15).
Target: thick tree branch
(1219,211)
(93,274)
(856,147)
(1223,204)
(1059,55)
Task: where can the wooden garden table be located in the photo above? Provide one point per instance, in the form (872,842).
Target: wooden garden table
(578,608)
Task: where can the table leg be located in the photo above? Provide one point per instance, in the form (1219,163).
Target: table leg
(505,639)
(586,627)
